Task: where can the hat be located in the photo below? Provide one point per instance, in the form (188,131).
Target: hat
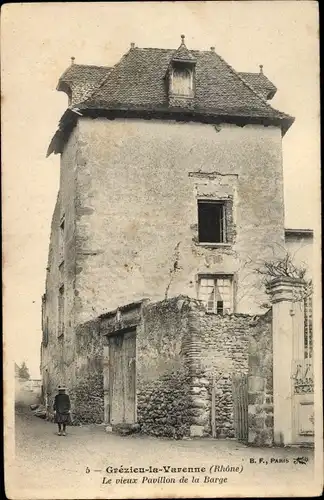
(61,388)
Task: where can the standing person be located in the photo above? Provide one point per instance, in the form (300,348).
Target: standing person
(62,410)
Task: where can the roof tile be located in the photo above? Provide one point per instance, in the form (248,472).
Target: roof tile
(139,80)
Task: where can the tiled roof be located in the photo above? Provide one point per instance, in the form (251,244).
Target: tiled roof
(79,80)
(260,83)
(139,81)
(182,54)
(138,84)
(82,73)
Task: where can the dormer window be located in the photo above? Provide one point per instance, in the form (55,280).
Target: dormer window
(181,75)
(181,82)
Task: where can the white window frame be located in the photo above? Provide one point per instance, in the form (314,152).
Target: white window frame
(217,284)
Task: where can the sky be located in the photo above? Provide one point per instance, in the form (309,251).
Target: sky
(38,41)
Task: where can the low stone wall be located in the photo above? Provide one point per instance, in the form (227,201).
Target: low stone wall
(184,358)
(183,355)
(163,378)
(219,349)
(164,405)
(260,385)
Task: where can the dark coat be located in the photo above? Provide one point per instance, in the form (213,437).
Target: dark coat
(62,404)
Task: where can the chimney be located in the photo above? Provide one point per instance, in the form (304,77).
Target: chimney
(261,69)
(212,49)
(132,45)
(72,60)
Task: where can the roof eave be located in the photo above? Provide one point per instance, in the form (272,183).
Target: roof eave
(71,115)
(66,125)
(287,122)
(271,94)
(63,86)
(184,60)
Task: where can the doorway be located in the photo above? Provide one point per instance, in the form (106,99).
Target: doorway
(122,377)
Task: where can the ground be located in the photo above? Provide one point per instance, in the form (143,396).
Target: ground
(49,466)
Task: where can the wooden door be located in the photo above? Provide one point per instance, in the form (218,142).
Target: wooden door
(122,377)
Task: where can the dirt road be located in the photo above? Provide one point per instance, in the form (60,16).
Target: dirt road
(82,465)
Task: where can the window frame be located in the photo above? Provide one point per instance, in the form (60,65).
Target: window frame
(215,277)
(222,224)
(61,239)
(61,312)
(45,332)
(189,80)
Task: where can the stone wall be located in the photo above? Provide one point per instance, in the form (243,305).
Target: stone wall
(86,395)
(74,358)
(219,349)
(260,385)
(137,186)
(58,351)
(129,191)
(163,378)
(182,355)
(85,382)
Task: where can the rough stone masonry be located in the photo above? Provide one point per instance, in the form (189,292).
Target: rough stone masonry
(181,353)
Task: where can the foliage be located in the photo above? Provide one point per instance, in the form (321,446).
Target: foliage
(284,267)
(279,268)
(23,371)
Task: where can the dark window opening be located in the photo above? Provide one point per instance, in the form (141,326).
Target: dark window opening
(61,272)
(220,307)
(211,222)
(61,312)
(45,333)
(61,239)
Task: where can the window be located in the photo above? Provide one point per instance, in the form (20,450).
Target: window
(61,239)
(61,311)
(217,294)
(211,222)
(308,327)
(181,82)
(61,273)
(45,333)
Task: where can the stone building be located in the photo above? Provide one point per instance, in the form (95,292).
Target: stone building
(171,185)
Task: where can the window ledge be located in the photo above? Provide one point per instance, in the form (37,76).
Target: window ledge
(215,245)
